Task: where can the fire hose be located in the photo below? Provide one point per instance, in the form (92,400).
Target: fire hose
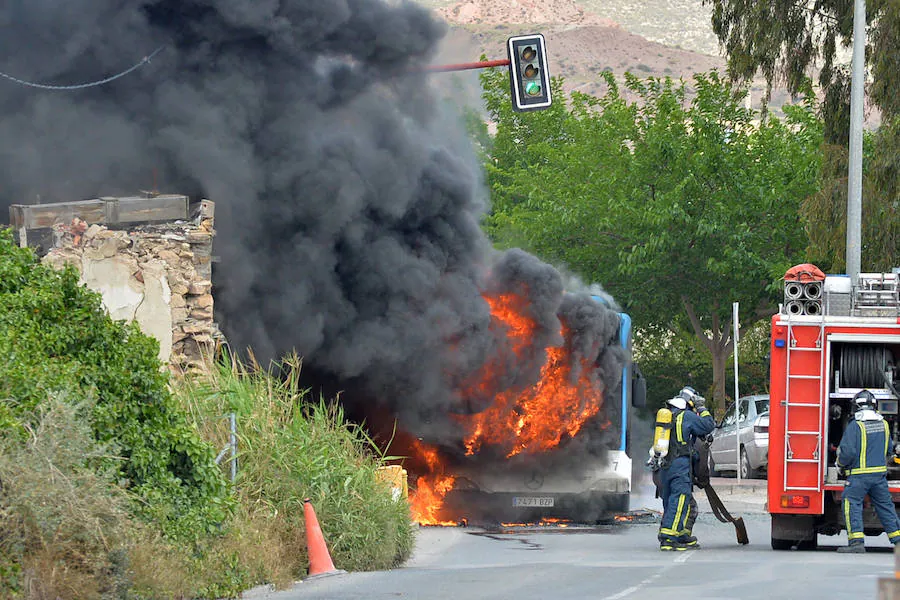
(722,514)
(865,366)
(702,480)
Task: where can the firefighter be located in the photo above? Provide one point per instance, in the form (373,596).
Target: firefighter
(862,457)
(675,471)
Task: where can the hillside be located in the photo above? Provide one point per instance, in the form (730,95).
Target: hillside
(651,38)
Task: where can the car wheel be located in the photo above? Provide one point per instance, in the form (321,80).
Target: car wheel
(746,471)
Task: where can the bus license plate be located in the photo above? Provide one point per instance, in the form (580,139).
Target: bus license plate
(533,501)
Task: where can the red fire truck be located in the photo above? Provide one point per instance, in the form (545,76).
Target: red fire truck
(830,339)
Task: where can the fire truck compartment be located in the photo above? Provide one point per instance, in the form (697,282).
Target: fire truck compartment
(860,362)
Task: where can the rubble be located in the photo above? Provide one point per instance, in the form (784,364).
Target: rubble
(157,274)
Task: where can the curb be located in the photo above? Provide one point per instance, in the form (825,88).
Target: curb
(731,486)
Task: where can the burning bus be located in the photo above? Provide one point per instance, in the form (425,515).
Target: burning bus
(558,448)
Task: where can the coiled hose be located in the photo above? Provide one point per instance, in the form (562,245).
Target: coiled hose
(866,367)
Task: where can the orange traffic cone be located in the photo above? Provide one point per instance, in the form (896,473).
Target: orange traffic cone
(320,564)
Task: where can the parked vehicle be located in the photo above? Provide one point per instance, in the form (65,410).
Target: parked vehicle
(752,453)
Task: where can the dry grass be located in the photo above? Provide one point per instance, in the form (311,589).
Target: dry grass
(63,517)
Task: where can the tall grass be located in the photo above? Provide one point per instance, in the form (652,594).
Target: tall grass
(293,447)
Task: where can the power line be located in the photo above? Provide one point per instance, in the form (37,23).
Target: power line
(80,86)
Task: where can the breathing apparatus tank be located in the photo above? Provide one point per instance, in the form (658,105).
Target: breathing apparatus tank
(662,432)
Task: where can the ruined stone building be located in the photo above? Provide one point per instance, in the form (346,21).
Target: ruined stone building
(149,257)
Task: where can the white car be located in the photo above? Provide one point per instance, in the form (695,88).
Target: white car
(752,453)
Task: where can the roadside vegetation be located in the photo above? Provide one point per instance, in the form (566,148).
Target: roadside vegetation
(108,482)
(294,447)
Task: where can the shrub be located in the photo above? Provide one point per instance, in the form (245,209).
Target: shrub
(63,517)
(66,531)
(56,337)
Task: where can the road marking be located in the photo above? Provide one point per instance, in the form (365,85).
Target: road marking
(628,591)
(681,558)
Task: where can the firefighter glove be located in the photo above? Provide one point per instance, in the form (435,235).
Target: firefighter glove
(699,403)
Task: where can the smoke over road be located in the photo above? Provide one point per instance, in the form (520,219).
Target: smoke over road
(348,199)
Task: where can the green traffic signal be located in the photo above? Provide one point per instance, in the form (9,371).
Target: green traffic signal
(533,88)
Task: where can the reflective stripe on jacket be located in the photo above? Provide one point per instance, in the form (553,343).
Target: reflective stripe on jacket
(864,447)
(688,426)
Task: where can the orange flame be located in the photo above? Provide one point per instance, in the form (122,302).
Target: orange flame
(537,418)
(425,503)
(532,420)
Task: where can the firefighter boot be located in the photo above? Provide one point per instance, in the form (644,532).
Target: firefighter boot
(671,546)
(689,541)
(852,549)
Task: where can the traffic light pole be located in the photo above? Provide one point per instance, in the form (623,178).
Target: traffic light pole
(485,64)
(529,77)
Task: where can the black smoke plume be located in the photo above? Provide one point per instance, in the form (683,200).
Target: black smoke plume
(348,199)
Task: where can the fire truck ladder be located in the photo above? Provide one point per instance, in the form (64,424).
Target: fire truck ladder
(790,379)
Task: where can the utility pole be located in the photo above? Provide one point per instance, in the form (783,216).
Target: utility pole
(854,185)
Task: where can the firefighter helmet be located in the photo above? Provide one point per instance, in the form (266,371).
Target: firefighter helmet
(691,397)
(865,399)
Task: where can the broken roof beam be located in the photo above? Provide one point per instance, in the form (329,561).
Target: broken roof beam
(103,211)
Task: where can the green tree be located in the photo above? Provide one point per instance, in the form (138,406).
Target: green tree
(826,210)
(679,207)
(786,40)
(671,360)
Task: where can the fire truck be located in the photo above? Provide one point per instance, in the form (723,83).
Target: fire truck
(830,339)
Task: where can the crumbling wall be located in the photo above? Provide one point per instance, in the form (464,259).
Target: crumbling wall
(157,274)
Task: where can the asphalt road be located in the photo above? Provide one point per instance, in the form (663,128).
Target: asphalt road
(620,562)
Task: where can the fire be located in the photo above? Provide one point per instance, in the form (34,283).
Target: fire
(426,502)
(535,419)
(507,309)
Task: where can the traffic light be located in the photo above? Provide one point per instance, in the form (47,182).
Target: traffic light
(529,77)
